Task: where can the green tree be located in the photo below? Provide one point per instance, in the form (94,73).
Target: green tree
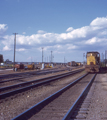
(1,58)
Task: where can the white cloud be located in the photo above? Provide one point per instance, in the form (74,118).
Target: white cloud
(91,41)
(99,22)
(74,39)
(6,48)
(21,49)
(3,28)
(41,32)
(71,46)
(24,33)
(69,29)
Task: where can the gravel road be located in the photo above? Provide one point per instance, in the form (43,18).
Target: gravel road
(98,106)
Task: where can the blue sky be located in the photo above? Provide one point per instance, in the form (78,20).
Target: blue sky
(69,28)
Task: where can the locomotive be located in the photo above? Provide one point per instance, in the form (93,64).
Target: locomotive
(93,62)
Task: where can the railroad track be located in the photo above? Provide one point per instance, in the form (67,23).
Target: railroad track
(18,88)
(79,109)
(61,104)
(14,76)
(25,73)
(18,76)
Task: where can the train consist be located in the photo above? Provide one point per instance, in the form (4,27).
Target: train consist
(93,62)
(73,63)
(22,66)
(31,66)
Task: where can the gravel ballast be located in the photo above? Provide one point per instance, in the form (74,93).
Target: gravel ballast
(17,104)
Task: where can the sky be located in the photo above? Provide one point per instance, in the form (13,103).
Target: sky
(68,28)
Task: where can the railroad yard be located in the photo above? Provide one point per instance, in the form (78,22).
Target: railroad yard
(53,60)
(60,93)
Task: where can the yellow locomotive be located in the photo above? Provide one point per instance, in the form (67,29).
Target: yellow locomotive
(93,62)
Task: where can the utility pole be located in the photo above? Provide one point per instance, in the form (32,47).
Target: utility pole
(102,59)
(14,48)
(83,59)
(51,56)
(42,54)
(47,59)
(64,60)
(105,57)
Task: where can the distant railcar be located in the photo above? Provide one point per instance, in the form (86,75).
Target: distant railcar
(48,65)
(69,63)
(78,63)
(19,66)
(73,63)
(93,62)
(31,66)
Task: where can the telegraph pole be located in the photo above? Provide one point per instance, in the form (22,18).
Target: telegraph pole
(51,56)
(64,60)
(42,54)
(47,59)
(105,57)
(83,59)
(102,59)
(14,48)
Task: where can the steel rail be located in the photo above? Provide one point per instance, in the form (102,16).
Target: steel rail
(29,112)
(27,72)
(30,82)
(11,79)
(7,94)
(37,73)
(23,73)
(84,93)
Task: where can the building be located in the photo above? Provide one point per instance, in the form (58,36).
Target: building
(8,61)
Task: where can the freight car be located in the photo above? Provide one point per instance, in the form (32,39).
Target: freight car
(19,66)
(31,66)
(93,62)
